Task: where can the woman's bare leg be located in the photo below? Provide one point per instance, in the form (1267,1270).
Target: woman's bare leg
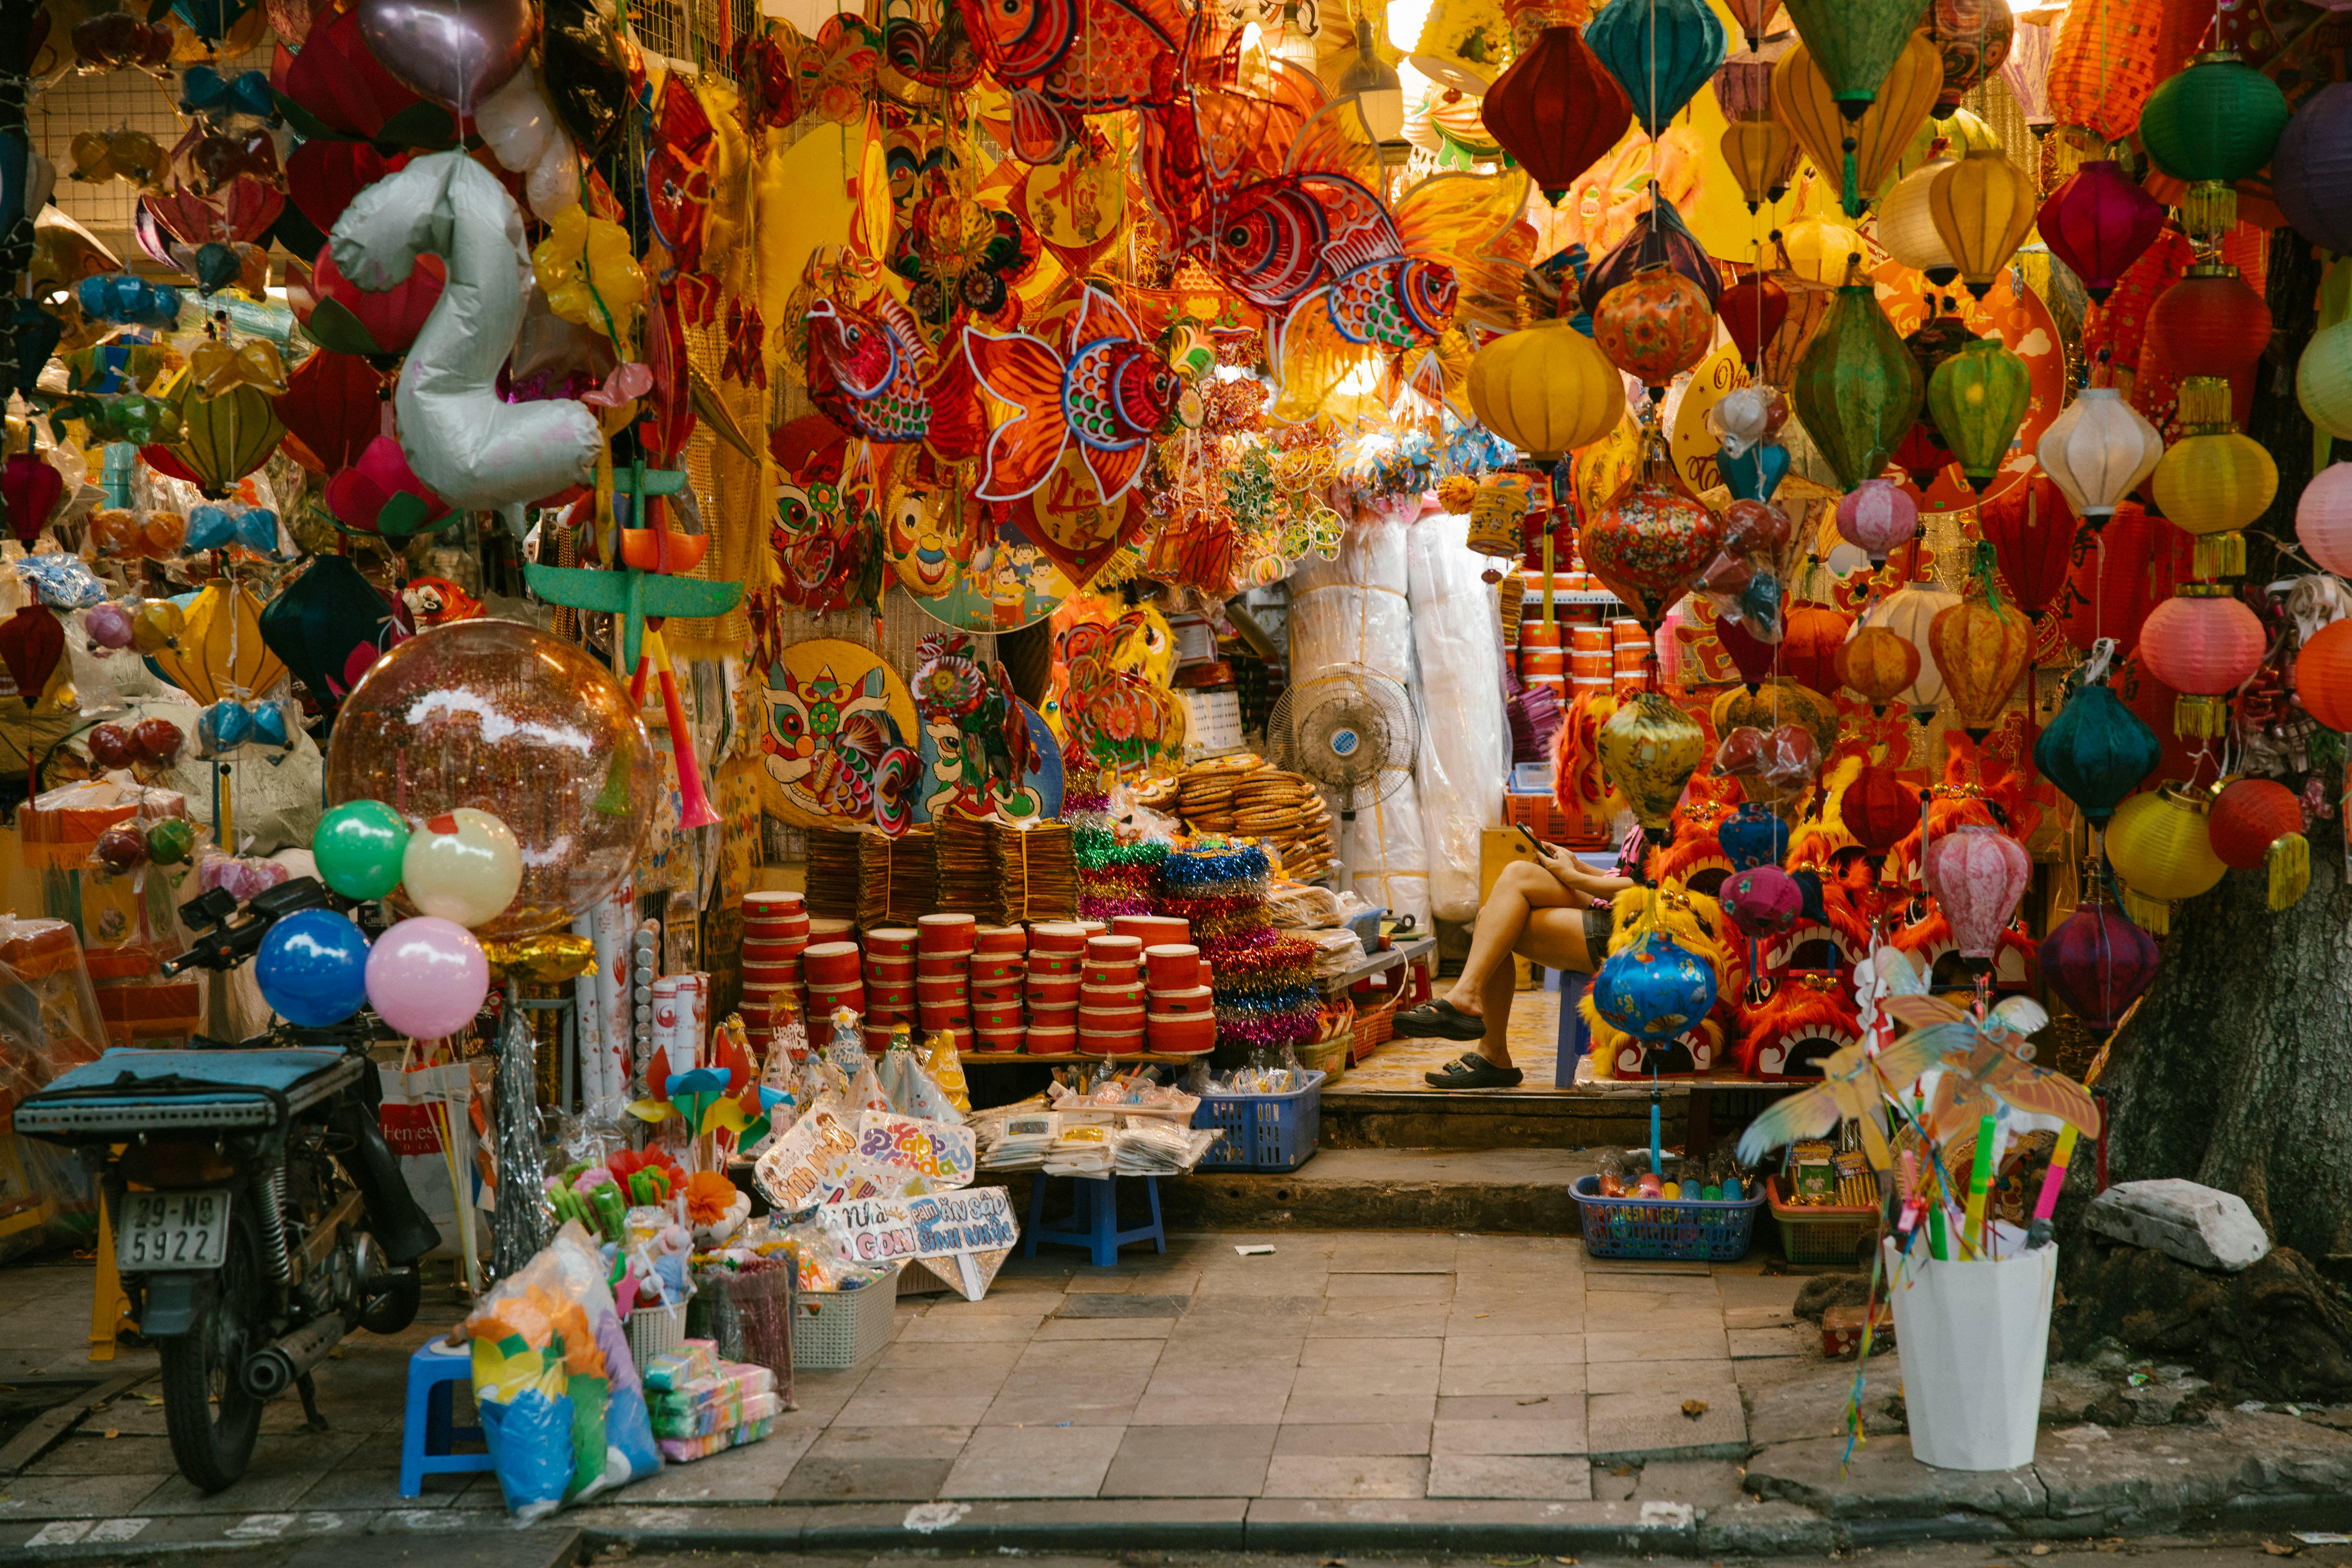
(1522,889)
(1552,938)
(1497,1002)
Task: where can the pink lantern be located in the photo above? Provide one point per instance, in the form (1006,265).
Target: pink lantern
(2098,223)
(2204,644)
(1978,874)
(2027,69)
(2323,518)
(1876,517)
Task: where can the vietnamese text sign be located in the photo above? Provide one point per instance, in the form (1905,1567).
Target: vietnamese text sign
(956,1226)
(943,1154)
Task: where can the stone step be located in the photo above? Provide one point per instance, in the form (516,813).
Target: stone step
(1492,1120)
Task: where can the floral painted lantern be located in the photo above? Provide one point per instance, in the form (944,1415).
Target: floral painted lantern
(1977,873)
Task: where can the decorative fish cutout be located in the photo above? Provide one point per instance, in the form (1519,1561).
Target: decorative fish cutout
(869,370)
(1061,60)
(1104,388)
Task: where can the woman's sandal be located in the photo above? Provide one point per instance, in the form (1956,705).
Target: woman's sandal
(1439,1020)
(1474,1071)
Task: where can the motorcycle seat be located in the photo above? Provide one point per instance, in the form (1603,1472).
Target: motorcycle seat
(130,1090)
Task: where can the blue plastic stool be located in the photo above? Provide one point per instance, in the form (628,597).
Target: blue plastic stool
(427,1434)
(1093,1223)
(1575,1034)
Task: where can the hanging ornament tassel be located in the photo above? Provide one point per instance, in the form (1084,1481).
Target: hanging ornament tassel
(2221,554)
(2153,916)
(2290,863)
(2195,716)
(2210,209)
(1853,188)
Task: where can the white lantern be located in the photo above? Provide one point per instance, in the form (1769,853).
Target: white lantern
(1908,613)
(2098,451)
(1906,226)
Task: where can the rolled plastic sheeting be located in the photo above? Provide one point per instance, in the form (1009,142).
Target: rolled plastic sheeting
(1465,739)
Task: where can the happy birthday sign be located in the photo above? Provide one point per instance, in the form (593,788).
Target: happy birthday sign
(941,1154)
(795,1171)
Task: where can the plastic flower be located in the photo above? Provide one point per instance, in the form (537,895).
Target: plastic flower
(588,271)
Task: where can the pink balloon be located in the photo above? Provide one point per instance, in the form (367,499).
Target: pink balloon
(108,624)
(426,977)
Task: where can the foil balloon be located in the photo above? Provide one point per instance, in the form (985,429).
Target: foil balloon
(468,447)
(454,52)
(1649,748)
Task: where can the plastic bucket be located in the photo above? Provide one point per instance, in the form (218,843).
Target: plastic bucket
(1973,1338)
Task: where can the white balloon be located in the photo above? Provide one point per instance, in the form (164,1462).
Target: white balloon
(516,123)
(554,183)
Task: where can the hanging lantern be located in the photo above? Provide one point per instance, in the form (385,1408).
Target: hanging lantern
(2097,963)
(2098,223)
(2323,518)
(1753,312)
(2096,750)
(2098,450)
(1979,398)
(2211,323)
(1754,19)
(1860,45)
(1654,327)
(1906,226)
(2204,643)
(1879,810)
(1908,613)
(1875,664)
(1463,45)
(2161,846)
(1810,638)
(2312,167)
(2106,63)
(1974,35)
(1557,110)
(1649,748)
(1650,544)
(1856,387)
(2213,481)
(224,438)
(2212,125)
(1753,836)
(1743,86)
(2032,535)
(1857,141)
(1653,988)
(1545,390)
(1658,234)
(2257,824)
(2027,69)
(1978,874)
(1981,647)
(1877,517)
(1762,155)
(1498,515)
(1660,51)
(2323,675)
(2323,380)
(1822,250)
(30,489)
(1984,208)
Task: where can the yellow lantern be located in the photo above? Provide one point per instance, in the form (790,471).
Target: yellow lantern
(1981,649)
(1984,207)
(1546,389)
(224,438)
(2161,844)
(1762,155)
(1906,226)
(1649,748)
(1820,250)
(1464,44)
(219,651)
(1858,153)
(2214,480)
(1908,613)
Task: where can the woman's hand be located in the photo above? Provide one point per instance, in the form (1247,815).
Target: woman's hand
(1579,878)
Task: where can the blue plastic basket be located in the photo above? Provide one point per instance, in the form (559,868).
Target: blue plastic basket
(1263,1132)
(1666,1227)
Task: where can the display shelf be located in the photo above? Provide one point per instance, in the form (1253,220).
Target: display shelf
(1378,964)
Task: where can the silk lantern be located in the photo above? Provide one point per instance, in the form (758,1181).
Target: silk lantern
(1753,312)
(1557,110)
(2098,450)
(1856,387)
(1908,613)
(2256,824)
(1546,389)
(2204,643)
(2161,844)
(2096,750)
(1660,51)
(1984,207)
(1762,155)
(1462,45)
(1654,327)
(1856,141)
(1657,234)
(1906,226)
(1753,836)
(2212,125)
(1859,44)
(1649,544)
(2213,481)
(2211,323)
(1876,665)
(1743,84)
(224,438)
(1978,874)
(1880,810)
(1979,398)
(1654,988)
(2097,963)
(2323,380)
(1974,36)
(1649,748)
(1981,647)
(30,489)
(2098,222)
(2323,518)
(1810,637)
(1877,517)
(2027,69)
(2311,168)
(2323,675)
(1822,250)
(2032,535)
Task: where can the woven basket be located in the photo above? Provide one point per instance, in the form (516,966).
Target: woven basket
(1375,1026)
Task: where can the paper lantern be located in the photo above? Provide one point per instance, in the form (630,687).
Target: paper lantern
(2311,169)
(2161,844)
(1879,810)
(2323,518)
(224,438)
(2323,675)
(1876,666)
(1978,874)
(1545,390)
(1654,989)
(2032,535)
(1859,44)
(1754,19)
(2257,824)
(2027,69)
(2213,481)
(1906,226)
(2211,323)
(2098,223)
(1753,312)
(1908,613)
(1660,51)
(2212,125)
(1979,398)
(2323,380)
(1856,387)
(1857,151)
(2104,65)
(1984,208)
(1762,155)
(1649,748)
(2096,750)
(1649,545)
(1822,250)
(2204,643)
(1981,649)
(2097,963)
(1654,327)
(1974,36)
(1810,638)
(1557,110)
(2098,450)
(1463,45)
(1877,517)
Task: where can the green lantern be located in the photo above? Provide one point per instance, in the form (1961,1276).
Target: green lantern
(2212,125)
(1856,387)
(1856,43)
(1978,399)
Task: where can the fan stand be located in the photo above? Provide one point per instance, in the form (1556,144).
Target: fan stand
(1344,852)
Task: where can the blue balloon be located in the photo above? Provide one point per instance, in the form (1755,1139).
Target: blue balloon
(210,527)
(257,530)
(312,968)
(1756,473)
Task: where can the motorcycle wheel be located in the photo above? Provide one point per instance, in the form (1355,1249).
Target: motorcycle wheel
(395,1308)
(212,1420)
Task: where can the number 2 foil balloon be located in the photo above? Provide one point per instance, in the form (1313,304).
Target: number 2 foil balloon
(473,449)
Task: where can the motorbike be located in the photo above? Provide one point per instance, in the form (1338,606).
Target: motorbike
(258,1214)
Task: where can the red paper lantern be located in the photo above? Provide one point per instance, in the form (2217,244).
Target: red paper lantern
(2209,323)
(2129,568)
(1878,808)
(1753,310)
(2098,223)
(2032,533)
(2204,643)
(2322,675)
(1557,110)
(1809,639)
(331,410)
(2248,817)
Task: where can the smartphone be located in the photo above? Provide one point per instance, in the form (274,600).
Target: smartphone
(1534,845)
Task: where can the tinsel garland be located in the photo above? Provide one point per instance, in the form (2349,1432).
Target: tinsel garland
(1202,871)
(1294,1028)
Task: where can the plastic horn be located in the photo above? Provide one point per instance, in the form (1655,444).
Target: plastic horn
(2046,1204)
(694,806)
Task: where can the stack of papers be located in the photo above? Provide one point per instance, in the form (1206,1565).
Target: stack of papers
(1153,1148)
(1019,1142)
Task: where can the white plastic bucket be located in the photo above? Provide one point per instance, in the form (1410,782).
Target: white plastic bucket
(1973,1337)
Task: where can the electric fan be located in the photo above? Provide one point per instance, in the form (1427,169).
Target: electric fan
(1352,731)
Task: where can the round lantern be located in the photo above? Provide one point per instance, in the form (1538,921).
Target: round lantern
(1856,387)
(1983,207)
(1877,517)
(2098,450)
(2161,844)
(2312,167)
(1660,51)
(2097,963)
(2212,125)
(1545,390)
(1649,748)
(2323,380)
(1879,810)
(2323,518)
(1856,152)
(2098,223)
(1557,110)
(1822,250)
(2258,822)
(1978,399)
(1753,312)
(1974,35)
(2211,323)
(1908,613)
(2213,481)
(1977,873)
(1862,46)
(1876,666)
(1810,637)
(2096,750)
(1763,902)
(2323,675)
(1649,545)
(2032,535)
(1906,226)
(1654,327)
(1981,649)
(2204,643)
(1762,155)
(1753,836)
(1654,988)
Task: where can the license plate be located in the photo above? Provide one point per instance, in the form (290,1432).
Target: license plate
(171,1230)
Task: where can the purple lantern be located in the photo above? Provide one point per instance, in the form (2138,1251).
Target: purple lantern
(2311,167)
(1977,873)
(2097,963)
(1763,902)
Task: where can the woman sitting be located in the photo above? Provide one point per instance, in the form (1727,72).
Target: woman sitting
(1544,911)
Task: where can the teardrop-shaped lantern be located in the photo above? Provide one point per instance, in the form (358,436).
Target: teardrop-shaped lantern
(1984,208)
(1545,390)
(2096,750)
(1857,141)
(1856,387)
(1658,234)
(1858,43)
(224,438)
(2098,962)
(1981,649)
(2214,480)
(1979,398)
(1906,226)
(1660,51)
(1649,748)
(2098,223)
(1557,110)
(1753,312)
(1974,35)
(1978,874)
(2032,533)
(1762,155)
(2098,449)
(2162,846)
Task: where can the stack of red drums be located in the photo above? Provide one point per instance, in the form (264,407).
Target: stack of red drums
(775,935)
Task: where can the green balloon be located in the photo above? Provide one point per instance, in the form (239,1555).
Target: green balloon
(359,846)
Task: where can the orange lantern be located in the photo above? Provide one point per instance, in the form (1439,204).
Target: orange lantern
(2323,675)
(1878,666)
(1981,646)
(1654,326)
(1810,638)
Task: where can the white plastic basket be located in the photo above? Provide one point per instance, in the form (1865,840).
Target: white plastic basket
(833,1328)
(654,1331)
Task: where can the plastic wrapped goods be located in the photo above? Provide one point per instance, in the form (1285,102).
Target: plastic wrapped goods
(1456,633)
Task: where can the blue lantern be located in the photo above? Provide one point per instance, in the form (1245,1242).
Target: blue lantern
(1660,51)
(1654,988)
(2096,750)
(1756,473)
(1753,836)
